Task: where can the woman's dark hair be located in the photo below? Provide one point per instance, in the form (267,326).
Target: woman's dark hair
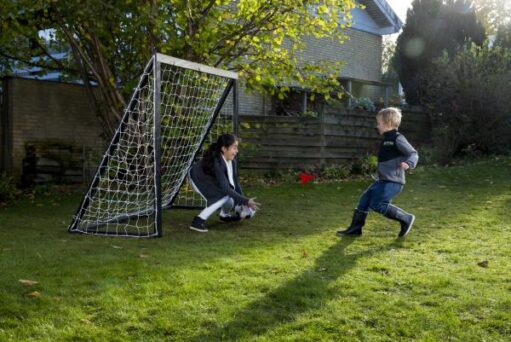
(215,150)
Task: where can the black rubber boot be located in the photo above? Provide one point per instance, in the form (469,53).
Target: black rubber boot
(398,214)
(357,222)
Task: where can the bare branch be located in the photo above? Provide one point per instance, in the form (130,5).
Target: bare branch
(36,64)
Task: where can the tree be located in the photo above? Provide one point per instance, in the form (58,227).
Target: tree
(503,37)
(110,40)
(467,96)
(493,13)
(388,51)
(432,26)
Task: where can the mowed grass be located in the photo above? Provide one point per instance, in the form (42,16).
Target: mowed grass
(282,276)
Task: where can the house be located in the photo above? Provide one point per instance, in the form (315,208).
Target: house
(361,54)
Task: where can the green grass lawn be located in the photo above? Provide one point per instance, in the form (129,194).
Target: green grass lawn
(282,276)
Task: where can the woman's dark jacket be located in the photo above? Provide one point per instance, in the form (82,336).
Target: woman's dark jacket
(215,187)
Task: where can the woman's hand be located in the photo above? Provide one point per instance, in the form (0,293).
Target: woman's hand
(252,204)
(404,166)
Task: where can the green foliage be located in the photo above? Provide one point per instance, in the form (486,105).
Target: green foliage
(389,49)
(432,27)
(289,176)
(310,114)
(8,190)
(110,41)
(468,99)
(503,37)
(427,156)
(291,103)
(493,13)
(336,172)
(365,166)
(364,103)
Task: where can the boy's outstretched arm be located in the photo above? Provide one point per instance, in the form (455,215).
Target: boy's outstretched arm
(412,157)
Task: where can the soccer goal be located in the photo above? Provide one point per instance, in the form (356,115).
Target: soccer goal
(175,110)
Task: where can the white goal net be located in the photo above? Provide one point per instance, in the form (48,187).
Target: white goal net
(171,114)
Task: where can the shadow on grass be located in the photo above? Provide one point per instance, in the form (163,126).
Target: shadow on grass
(308,291)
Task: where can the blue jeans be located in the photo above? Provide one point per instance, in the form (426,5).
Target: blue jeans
(378,195)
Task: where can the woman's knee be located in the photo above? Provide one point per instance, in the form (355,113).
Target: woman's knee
(229,203)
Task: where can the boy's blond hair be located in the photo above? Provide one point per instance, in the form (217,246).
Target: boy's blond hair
(390,116)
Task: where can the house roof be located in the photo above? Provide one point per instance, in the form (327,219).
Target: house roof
(382,15)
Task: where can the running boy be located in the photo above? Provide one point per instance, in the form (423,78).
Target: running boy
(395,156)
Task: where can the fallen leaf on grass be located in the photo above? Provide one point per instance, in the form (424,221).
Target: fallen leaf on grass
(305,254)
(85,321)
(28,282)
(34,294)
(116,247)
(144,256)
(483,263)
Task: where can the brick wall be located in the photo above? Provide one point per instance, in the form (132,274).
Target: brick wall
(45,111)
(361,53)
(250,103)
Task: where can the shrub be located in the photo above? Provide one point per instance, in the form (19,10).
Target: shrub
(427,155)
(8,190)
(365,166)
(336,171)
(468,99)
(364,103)
(432,27)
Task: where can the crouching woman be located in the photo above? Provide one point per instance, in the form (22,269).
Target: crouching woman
(215,178)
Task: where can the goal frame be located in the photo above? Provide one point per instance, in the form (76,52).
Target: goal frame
(154,67)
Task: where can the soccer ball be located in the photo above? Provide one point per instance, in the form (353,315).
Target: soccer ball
(245,212)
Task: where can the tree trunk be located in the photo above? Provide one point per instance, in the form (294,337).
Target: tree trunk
(107,98)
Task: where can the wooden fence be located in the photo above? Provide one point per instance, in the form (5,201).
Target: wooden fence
(276,142)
